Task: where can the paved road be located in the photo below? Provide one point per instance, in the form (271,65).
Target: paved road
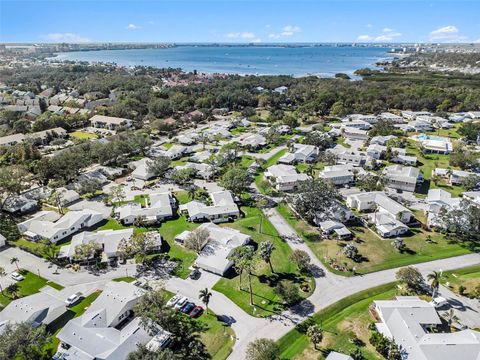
(266,156)
(63,277)
(329,288)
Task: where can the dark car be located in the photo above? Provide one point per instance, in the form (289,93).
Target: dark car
(196,312)
(195,274)
(187,307)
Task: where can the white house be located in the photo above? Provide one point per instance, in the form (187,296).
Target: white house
(220,245)
(37,309)
(330,227)
(223,208)
(108,329)
(387,226)
(156,209)
(439,200)
(253,141)
(399,156)
(392,118)
(301,153)
(402,177)
(379,201)
(376,151)
(51,226)
(141,169)
(339,174)
(407,319)
(356,123)
(109,122)
(175,152)
(381,140)
(3,241)
(284,177)
(454,177)
(354,133)
(202,171)
(333,355)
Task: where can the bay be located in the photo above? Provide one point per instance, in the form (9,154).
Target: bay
(259,60)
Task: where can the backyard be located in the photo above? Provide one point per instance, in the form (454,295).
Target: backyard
(263,282)
(219,338)
(377,253)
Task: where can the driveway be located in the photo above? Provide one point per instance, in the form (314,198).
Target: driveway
(466,309)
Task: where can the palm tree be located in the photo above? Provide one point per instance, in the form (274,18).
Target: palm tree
(434,279)
(13,290)
(450,317)
(266,250)
(205,296)
(15,261)
(2,274)
(192,191)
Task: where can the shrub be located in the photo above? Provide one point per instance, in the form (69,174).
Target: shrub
(288,292)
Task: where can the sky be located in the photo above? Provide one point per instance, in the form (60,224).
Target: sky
(239,21)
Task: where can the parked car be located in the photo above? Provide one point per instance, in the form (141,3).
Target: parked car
(180,303)
(439,302)
(196,312)
(187,307)
(195,274)
(173,300)
(74,298)
(16,276)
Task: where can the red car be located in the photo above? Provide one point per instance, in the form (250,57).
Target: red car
(196,312)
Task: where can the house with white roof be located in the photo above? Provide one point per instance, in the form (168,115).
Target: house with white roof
(3,241)
(284,177)
(392,118)
(439,200)
(420,125)
(336,228)
(220,245)
(339,174)
(354,133)
(301,153)
(412,115)
(356,123)
(381,140)
(376,151)
(473,196)
(407,320)
(141,169)
(454,177)
(109,122)
(157,208)
(371,119)
(51,226)
(402,177)
(437,144)
(399,156)
(333,355)
(252,140)
(108,329)
(175,152)
(107,240)
(347,156)
(37,309)
(387,226)
(202,171)
(223,208)
(379,201)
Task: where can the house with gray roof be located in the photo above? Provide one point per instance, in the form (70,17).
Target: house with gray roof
(157,208)
(108,330)
(284,177)
(109,122)
(408,321)
(402,177)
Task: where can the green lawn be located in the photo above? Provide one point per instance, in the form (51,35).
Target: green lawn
(341,322)
(468,277)
(75,311)
(167,145)
(218,338)
(82,135)
(263,282)
(29,286)
(182,197)
(168,229)
(379,253)
(127,279)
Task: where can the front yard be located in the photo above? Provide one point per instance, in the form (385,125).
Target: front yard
(29,286)
(219,338)
(263,282)
(378,254)
(468,277)
(342,322)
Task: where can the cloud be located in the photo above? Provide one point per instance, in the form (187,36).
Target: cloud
(66,38)
(241,35)
(369,26)
(387,35)
(132,27)
(448,33)
(257,40)
(364,38)
(289,30)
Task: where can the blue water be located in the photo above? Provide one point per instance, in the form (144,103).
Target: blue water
(297,61)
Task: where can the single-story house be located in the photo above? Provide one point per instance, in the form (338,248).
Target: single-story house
(339,230)
(284,177)
(387,226)
(402,177)
(223,208)
(109,122)
(301,153)
(338,174)
(158,208)
(220,245)
(51,226)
